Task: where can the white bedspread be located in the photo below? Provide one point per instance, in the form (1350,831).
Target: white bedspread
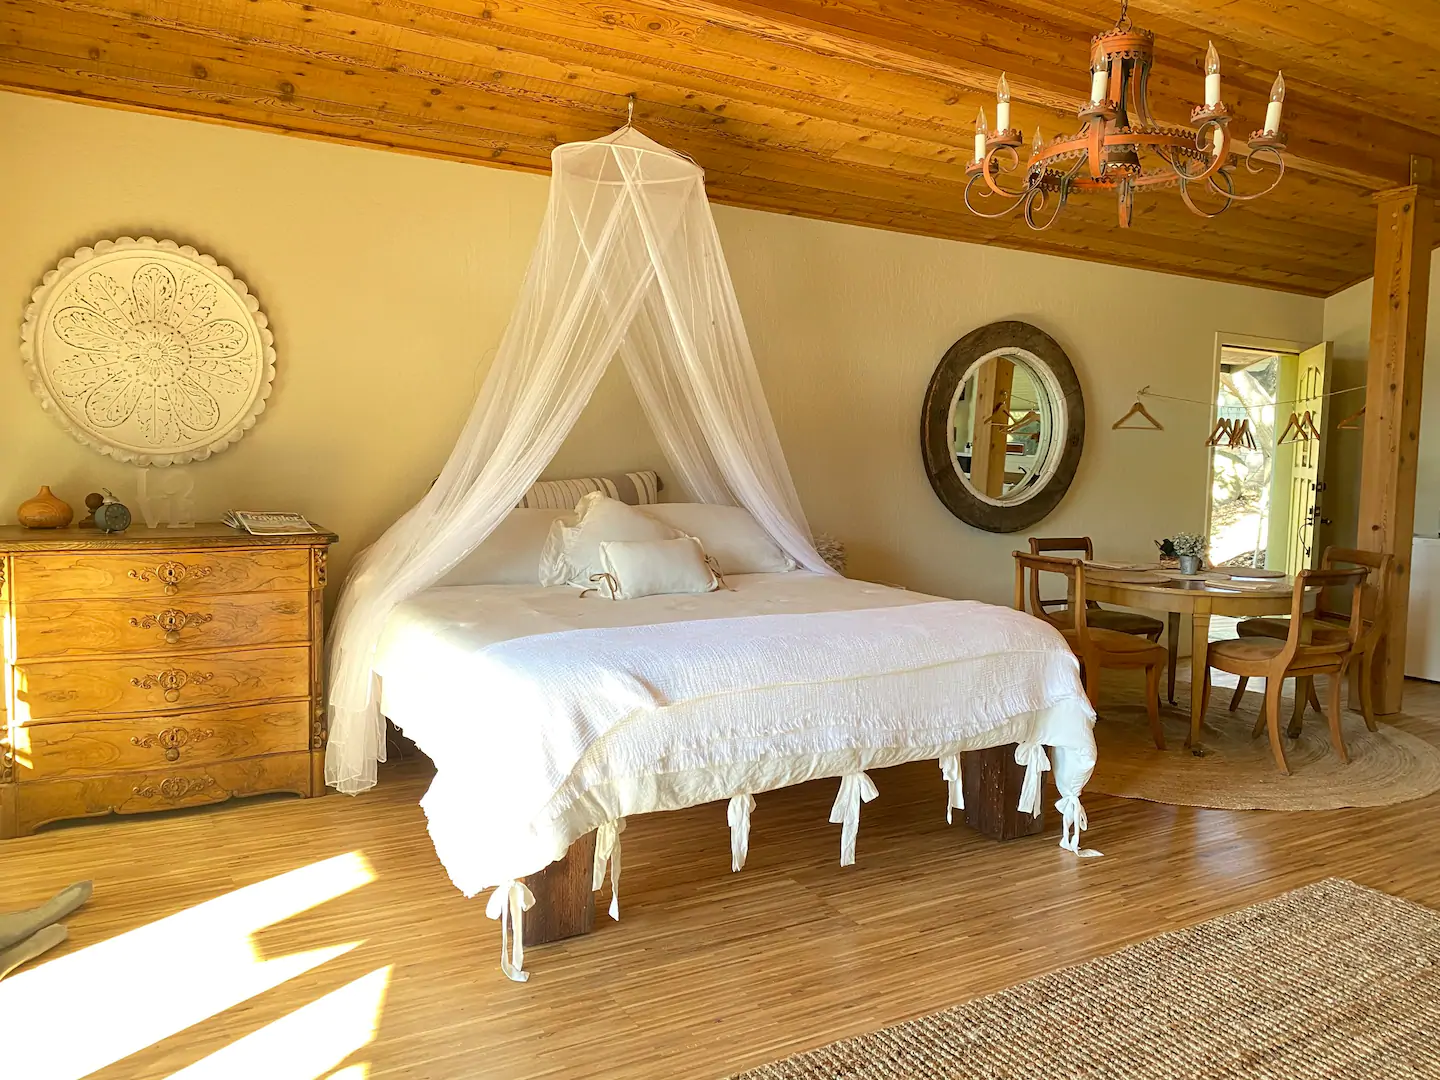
(546,721)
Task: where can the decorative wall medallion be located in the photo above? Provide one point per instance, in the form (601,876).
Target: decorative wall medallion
(148,351)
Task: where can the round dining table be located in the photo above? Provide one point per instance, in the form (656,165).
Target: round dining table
(1198,596)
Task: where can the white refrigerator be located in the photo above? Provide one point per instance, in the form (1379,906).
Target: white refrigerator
(1422,644)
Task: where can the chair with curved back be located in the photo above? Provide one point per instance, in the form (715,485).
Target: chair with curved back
(1276,660)
(1332,624)
(1124,622)
(1095,646)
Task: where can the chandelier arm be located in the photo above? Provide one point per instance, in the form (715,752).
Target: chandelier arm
(1016,201)
(1254,169)
(1036,201)
(1185,194)
(992,167)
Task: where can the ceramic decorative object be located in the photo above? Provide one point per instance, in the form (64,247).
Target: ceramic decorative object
(44,511)
(112,515)
(148,351)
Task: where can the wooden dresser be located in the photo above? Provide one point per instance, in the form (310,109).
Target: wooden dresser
(157,668)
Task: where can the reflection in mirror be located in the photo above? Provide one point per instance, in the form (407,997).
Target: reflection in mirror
(1007,426)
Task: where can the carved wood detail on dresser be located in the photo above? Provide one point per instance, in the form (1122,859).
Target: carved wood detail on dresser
(157,668)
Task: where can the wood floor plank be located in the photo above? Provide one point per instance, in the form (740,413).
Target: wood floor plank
(708,972)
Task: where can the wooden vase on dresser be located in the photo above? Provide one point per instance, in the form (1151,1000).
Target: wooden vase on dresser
(157,668)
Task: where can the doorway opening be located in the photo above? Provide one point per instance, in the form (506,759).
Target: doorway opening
(1264,501)
(1242,479)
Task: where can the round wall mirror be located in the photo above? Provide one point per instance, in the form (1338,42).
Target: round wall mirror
(1003,426)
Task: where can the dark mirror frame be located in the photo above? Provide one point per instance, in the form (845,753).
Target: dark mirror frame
(935,436)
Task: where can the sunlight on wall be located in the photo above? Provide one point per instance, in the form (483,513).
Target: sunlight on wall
(306,1044)
(158,979)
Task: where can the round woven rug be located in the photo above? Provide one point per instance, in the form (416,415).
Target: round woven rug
(1238,772)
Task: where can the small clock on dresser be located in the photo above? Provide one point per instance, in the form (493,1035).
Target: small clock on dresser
(156,669)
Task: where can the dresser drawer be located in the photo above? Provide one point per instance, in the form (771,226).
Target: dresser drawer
(55,689)
(160,574)
(87,747)
(158,789)
(45,628)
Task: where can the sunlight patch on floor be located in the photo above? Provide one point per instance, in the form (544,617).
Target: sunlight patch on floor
(308,1042)
(78,1013)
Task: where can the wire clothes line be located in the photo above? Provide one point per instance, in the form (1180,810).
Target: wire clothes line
(1145,392)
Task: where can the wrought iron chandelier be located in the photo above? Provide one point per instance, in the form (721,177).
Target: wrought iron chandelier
(1121,147)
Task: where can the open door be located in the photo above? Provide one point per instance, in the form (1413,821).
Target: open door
(1307,467)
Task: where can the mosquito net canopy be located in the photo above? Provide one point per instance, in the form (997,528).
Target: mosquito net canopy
(628,265)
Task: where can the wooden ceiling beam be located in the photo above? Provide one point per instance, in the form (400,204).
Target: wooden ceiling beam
(969,42)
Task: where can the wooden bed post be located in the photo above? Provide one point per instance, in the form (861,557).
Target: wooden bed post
(992,782)
(564,901)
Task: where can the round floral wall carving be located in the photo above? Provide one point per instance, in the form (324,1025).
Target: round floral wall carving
(148,351)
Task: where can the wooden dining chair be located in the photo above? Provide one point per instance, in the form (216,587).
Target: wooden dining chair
(1096,647)
(1276,660)
(1332,623)
(1124,622)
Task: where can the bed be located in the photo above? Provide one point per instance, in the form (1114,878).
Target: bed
(499,684)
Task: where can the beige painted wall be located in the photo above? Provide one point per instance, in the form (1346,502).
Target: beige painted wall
(1347,324)
(388,280)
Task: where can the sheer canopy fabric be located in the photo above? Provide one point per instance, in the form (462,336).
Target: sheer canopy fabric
(628,264)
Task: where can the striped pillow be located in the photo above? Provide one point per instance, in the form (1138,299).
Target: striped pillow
(636,489)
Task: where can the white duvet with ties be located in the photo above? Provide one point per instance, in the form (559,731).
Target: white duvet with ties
(549,715)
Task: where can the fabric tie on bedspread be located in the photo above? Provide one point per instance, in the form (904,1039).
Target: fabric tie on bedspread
(1073,823)
(955,798)
(855,788)
(607,849)
(738,814)
(509,903)
(1032,756)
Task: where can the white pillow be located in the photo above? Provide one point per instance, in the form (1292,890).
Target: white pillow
(572,550)
(631,569)
(732,537)
(509,556)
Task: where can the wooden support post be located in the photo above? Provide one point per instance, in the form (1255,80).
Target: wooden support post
(988,443)
(1392,404)
(564,901)
(992,783)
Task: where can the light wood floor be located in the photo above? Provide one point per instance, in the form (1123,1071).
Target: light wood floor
(708,972)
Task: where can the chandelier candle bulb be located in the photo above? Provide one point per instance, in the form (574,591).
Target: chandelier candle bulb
(1099,83)
(982,129)
(1037,144)
(1277,103)
(1002,104)
(1212,77)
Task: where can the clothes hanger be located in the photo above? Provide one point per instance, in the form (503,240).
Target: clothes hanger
(1241,437)
(1223,431)
(1284,438)
(1313,431)
(1000,417)
(1351,422)
(1138,408)
(1029,416)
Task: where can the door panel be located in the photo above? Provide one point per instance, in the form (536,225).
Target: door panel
(1312,383)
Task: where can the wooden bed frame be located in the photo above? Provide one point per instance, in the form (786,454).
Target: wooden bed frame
(565,902)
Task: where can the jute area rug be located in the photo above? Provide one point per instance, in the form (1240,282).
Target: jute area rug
(1237,772)
(1331,981)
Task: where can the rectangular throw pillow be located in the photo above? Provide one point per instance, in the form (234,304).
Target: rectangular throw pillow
(572,550)
(731,535)
(631,569)
(508,556)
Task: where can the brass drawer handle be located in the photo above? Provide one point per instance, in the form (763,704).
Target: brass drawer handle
(172,740)
(173,788)
(171,574)
(172,621)
(172,681)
